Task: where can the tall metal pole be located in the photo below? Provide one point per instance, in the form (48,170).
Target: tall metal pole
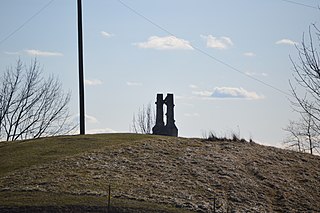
(81,78)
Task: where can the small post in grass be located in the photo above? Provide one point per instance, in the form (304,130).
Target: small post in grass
(214,204)
(109,198)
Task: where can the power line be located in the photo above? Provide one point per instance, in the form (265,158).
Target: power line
(301,4)
(242,73)
(205,53)
(144,17)
(26,22)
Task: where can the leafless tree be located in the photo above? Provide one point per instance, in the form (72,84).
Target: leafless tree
(144,120)
(302,136)
(306,89)
(30,105)
(293,140)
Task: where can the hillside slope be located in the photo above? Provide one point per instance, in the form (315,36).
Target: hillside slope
(191,174)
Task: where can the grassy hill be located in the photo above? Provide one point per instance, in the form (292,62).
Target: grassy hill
(155,174)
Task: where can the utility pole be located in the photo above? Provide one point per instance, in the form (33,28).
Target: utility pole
(81,78)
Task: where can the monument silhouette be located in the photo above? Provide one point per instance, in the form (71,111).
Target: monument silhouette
(160,128)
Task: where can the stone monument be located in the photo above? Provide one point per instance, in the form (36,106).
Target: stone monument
(160,128)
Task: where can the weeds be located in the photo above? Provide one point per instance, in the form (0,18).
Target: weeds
(212,136)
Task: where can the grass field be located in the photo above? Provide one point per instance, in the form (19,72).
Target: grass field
(150,173)
(22,155)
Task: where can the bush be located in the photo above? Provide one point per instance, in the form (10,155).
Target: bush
(234,137)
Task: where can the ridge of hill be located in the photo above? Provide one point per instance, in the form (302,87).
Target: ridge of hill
(165,173)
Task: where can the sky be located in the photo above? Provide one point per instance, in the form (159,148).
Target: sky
(226,62)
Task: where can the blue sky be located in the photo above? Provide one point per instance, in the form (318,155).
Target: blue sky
(136,49)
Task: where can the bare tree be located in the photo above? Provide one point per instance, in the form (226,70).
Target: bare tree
(302,136)
(144,120)
(306,90)
(30,105)
(293,140)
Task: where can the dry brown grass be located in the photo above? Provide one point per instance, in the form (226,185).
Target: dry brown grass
(186,173)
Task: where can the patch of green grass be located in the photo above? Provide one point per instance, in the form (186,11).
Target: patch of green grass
(34,198)
(21,154)
(42,199)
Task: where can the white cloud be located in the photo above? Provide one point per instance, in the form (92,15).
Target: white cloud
(12,53)
(134,84)
(257,74)
(91,119)
(195,114)
(192,86)
(106,34)
(249,54)
(228,93)
(34,52)
(218,43)
(287,42)
(165,43)
(93,82)
(102,130)
(98,131)
(204,93)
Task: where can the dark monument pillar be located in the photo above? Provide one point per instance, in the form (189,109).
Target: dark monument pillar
(171,128)
(158,129)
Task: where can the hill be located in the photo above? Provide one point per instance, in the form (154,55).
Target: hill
(155,174)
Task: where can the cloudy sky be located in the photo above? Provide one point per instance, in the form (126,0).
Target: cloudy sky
(227,62)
